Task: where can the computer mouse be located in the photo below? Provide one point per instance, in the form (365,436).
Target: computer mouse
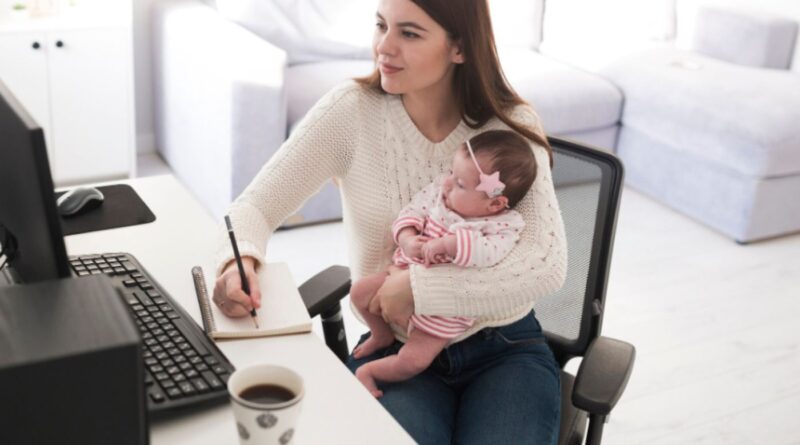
(79,200)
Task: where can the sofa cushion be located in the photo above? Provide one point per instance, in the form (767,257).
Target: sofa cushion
(748,38)
(307,82)
(308,30)
(587,103)
(740,117)
(567,99)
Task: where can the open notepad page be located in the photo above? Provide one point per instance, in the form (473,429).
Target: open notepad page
(282,309)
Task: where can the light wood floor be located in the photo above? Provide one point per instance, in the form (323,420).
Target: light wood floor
(714,324)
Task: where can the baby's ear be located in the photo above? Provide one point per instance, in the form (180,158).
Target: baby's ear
(498,204)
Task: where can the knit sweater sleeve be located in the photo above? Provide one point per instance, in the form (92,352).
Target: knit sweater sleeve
(535,267)
(320,148)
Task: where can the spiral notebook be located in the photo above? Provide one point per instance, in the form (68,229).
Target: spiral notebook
(282,309)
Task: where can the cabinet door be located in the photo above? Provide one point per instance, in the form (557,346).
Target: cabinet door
(91,104)
(23,68)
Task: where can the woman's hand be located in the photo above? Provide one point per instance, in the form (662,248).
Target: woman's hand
(394,301)
(228,293)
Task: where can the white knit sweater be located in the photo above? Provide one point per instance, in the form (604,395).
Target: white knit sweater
(368,141)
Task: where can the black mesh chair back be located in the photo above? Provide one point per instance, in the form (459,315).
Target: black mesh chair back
(588,183)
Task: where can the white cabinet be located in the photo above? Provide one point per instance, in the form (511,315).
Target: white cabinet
(75,78)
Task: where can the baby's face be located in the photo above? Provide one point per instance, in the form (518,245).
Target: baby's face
(459,194)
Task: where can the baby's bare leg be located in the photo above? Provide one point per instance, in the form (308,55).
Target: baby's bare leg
(414,357)
(361,294)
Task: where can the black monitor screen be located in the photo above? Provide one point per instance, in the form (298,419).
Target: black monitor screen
(30,229)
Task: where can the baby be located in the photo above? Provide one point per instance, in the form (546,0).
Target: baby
(464,218)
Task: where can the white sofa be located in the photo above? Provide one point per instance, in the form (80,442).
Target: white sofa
(714,131)
(231,84)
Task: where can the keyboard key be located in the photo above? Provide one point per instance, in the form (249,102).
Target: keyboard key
(179,378)
(144,299)
(199,384)
(212,380)
(212,360)
(167,383)
(156,395)
(174,392)
(187,388)
(219,369)
(190,374)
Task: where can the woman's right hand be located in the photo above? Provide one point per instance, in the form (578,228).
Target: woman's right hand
(228,293)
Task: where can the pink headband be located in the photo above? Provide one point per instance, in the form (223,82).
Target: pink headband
(490,184)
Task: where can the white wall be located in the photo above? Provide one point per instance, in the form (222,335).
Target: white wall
(145,136)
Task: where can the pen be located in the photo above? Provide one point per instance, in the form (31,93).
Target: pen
(245,284)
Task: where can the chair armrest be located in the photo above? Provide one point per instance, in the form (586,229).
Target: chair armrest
(220,99)
(323,291)
(603,375)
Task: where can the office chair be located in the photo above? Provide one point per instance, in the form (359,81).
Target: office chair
(588,185)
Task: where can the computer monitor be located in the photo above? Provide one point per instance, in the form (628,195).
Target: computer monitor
(30,228)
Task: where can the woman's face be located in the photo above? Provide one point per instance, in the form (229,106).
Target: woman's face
(412,51)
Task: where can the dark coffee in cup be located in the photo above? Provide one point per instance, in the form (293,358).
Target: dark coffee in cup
(267,394)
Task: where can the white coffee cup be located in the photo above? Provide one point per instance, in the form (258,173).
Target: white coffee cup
(265,421)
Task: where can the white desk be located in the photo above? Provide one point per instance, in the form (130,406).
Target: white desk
(337,409)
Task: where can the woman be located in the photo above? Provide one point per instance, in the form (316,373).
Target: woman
(437,83)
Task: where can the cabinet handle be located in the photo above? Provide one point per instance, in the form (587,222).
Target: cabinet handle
(59,43)
(36,45)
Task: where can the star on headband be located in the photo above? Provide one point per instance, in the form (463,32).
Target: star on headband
(490,184)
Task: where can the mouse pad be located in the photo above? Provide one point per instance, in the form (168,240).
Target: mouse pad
(121,207)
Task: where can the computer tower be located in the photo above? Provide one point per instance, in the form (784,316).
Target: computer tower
(70,365)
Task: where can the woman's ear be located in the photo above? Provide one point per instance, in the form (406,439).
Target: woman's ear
(498,204)
(457,52)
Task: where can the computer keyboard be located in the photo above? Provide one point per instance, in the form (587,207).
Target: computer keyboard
(183,367)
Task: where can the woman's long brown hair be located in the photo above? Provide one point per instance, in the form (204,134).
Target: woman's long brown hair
(481,89)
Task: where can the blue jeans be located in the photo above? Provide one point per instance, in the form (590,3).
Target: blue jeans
(499,386)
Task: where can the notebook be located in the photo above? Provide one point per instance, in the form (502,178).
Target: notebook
(282,309)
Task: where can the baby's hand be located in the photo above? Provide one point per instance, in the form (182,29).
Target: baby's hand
(412,246)
(435,251)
